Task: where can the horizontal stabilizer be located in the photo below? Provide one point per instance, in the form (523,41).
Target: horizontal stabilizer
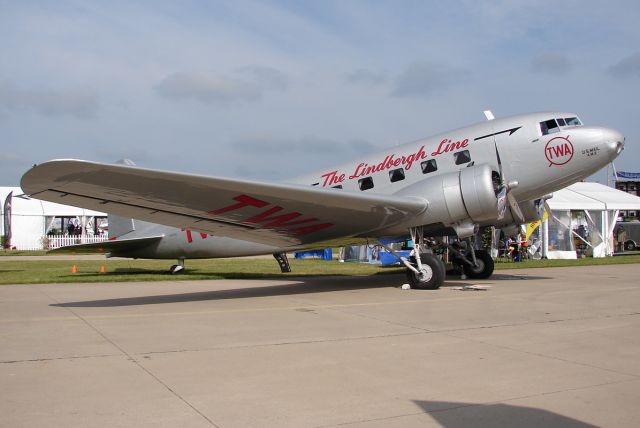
(114,246)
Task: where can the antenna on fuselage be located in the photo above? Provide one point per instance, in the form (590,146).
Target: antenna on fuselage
(489,114)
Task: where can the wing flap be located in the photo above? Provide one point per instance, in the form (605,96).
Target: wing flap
(268,213)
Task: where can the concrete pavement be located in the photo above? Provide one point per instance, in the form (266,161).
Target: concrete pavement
(554,347)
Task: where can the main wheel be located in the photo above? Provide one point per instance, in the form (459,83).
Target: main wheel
(483,269)
(629,245)
(432,275)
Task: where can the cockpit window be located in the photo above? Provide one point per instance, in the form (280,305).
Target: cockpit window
(561,122)
(549,127)
(572,121)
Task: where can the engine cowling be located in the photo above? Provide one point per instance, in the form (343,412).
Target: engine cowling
(465,195)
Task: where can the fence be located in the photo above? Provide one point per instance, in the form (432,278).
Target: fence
(63,241)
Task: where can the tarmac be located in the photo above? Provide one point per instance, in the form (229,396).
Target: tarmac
(556,347)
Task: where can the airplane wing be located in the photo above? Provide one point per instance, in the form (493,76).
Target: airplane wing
(268,213)
(107,246)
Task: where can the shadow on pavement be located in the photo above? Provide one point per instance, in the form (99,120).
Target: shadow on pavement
(459,415)
(299,286)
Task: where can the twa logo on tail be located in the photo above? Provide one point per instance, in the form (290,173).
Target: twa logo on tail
(558,151)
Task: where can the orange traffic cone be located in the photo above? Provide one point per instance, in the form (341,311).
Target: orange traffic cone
(103,269)
(74,269)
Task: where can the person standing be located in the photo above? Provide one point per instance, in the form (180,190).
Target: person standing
(621,237)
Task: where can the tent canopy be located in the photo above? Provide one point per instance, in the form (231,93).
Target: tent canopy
(593,196)
(25,206)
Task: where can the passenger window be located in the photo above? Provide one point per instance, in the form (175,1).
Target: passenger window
(462,157)
(365,183)
(549,127)
(429,166)
(337,186)
(396,175)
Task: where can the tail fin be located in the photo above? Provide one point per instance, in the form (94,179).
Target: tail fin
(120,226)
(129,228)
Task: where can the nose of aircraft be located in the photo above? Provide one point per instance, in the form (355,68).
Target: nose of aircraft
(613,142)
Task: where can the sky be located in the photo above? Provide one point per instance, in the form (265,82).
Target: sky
(274,89)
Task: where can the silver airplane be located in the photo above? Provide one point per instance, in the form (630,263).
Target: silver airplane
(498,172)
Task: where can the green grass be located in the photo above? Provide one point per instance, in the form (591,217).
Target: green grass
(22,253)
(59,271)
(526,264)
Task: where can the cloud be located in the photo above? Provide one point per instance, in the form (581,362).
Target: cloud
(425,79)
(269,146)
(366,77)
(244,84)
(264,77)
(627,67)
(207,88)
(7,159)
(78,103)
(268,157)
(551,63)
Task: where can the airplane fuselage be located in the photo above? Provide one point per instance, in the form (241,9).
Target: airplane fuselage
(536,154)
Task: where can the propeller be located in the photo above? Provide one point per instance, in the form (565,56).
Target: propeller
(504,194)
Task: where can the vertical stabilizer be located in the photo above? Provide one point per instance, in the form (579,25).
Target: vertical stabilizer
(120,226)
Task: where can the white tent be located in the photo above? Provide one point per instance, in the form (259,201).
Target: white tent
(32,219)
(582,220)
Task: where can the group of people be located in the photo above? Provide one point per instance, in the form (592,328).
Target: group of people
(515,247)
(74,228)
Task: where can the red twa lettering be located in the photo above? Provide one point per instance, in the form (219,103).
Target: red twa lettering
(244,201)
(271,218)
(558,151)
(277,221)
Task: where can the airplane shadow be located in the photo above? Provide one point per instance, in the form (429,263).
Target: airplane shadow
(511,277)
(462,415)
(301,285)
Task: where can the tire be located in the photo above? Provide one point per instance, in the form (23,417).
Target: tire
(484,268)
(629,245)
(434,275)
(176,269)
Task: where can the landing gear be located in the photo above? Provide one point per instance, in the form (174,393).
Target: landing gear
(283,262)
(430,276)
(483,267)
(476,265)
(176,269)
(425,270)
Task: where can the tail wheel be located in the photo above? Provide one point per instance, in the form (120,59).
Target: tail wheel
(176,269)
(432,275)
(483,268)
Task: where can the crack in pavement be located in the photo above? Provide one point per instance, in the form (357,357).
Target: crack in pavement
(136,362)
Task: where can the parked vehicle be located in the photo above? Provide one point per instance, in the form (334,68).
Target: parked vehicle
(632,234)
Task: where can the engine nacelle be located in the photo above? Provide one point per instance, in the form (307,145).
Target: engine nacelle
(456,197)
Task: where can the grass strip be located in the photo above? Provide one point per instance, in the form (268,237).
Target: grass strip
(59,271)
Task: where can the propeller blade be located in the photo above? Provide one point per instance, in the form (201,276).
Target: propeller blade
(502,202)
(515,208)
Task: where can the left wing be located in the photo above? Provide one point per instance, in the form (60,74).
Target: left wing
(267,213)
